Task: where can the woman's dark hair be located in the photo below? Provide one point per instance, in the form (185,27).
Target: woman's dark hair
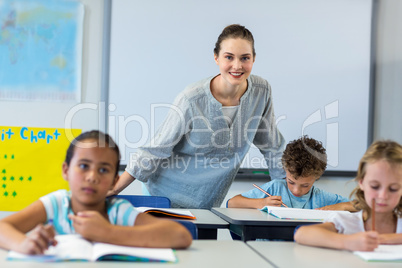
(234,31)
(101,139)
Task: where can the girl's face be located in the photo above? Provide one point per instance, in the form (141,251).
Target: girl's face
(90,174)
(382,182)
(301,186)
(235,61)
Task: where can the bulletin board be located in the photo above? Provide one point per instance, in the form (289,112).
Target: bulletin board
(31,161)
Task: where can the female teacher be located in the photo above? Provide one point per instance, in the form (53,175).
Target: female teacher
(196,153)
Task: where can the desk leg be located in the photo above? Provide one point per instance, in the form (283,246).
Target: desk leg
(207,234)
(248,233)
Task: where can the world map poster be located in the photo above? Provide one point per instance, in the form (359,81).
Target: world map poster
(41,50)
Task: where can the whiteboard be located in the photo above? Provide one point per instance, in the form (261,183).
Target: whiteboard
(314,53)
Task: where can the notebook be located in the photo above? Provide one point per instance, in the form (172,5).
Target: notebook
(75,248)
(168,212)
(385,253)
(299,213)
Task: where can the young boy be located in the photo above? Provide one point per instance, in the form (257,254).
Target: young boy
(90,167)
(304,161)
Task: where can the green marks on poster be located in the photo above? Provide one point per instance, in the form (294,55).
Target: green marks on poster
(11,179)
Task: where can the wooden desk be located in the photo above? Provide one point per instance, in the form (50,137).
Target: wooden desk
(208,223)
(251,224)
(202,253)
(291,254)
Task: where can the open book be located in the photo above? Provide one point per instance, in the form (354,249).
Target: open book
(391,253)
(168,212)
(299,213)
(75,248)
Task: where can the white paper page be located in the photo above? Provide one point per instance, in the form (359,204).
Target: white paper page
(69,247)
(382,253)
(299,213)
(161,254)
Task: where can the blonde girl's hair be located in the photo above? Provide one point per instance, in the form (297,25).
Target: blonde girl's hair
(387,150)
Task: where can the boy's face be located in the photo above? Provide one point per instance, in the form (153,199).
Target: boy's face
(301,186)
(91,174)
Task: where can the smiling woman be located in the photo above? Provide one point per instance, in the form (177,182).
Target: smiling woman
(211,126)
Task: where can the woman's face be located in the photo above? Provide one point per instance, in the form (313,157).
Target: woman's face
(235,61)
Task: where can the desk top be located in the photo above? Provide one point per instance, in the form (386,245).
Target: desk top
(251,216)
(291,254)
(207,219)
(202,253)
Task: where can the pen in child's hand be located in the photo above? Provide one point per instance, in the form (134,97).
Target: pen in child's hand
(259,188)
(50,223)
(373,214)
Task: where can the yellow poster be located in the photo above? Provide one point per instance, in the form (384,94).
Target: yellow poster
(30,163)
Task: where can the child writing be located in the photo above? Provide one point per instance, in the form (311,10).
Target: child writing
(304,161)
(91,169)
(379,178)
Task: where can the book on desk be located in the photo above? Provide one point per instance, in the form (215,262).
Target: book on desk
(384,253)
(300,213)
(168,212)
(75,248)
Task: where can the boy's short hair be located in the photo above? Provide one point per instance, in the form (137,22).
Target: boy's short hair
(305,157)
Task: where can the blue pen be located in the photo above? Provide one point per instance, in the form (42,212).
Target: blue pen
(50,223)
